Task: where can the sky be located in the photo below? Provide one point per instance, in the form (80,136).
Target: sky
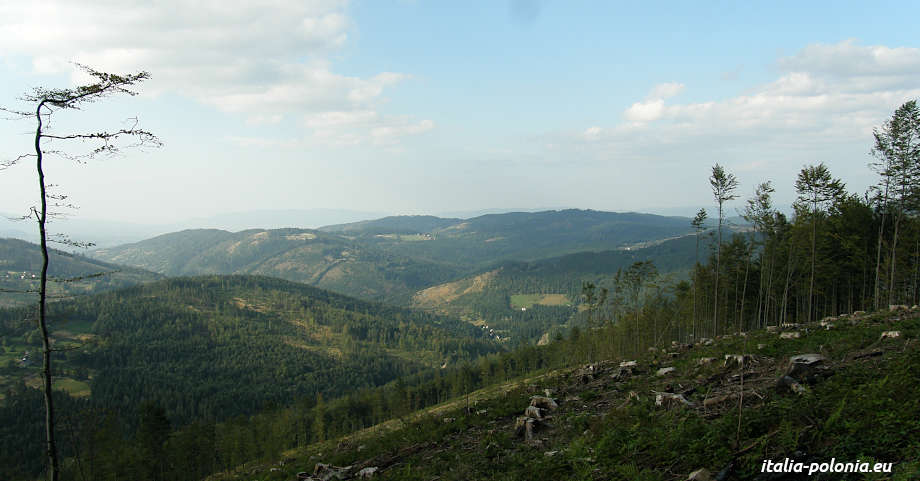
(418,107)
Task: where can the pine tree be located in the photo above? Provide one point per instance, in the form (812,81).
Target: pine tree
(723,186)
(698,225)
(816,188)
(759,212)
(897,148)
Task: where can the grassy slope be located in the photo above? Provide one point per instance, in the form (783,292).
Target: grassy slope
(866,408)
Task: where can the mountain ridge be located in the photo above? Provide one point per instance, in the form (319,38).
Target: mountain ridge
(393,257)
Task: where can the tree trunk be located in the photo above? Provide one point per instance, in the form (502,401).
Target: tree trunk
(768,295)
(894,250)
(50,446)
(695,282)
(916,271)
(811,282)
(761,285)
(747,268)
(715,312)
(785,305)
(878,252)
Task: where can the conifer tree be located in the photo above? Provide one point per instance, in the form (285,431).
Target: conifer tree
(759,212)
(698,224)
(897,148)
(816,188)
(723,186)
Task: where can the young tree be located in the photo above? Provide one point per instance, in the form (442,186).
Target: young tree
(759,212)
(816,188)
(45,103)
(594,302)
(881,193)
(698,225)
(632,282)
(723,186)
(897,148)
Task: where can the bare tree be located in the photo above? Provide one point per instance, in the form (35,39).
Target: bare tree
(46,103)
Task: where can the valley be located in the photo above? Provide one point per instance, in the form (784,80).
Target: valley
(273,352)
(352,240)
(236,342)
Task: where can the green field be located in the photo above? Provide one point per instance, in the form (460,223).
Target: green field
(414,237)
(64,334)
(15,347)
(527,300)
(404,237)
(72,386)
(83,326)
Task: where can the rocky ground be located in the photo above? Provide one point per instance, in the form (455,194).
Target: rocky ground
(843,386)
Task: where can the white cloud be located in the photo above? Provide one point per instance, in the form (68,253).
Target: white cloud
(652,108)
(645,111)
(821,106)
(825,93)
(264,60)
(592,132)
(666,90)
(848,59)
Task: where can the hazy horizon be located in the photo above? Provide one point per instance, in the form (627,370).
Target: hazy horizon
(460,108)
(110,232)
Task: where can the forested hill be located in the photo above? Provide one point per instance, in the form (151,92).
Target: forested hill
(395,224)
(390,259)
(486,239)
(20,266)
(212,347)
(301,255)
(525,300)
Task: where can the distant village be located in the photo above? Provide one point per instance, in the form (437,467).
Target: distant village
(492,334)
(21,275)
(26,360)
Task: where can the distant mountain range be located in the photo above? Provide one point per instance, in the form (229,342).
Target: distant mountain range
(317,258)
(106,233)
(392,258)
(491,238)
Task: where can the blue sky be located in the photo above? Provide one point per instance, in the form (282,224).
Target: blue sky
(426,107)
